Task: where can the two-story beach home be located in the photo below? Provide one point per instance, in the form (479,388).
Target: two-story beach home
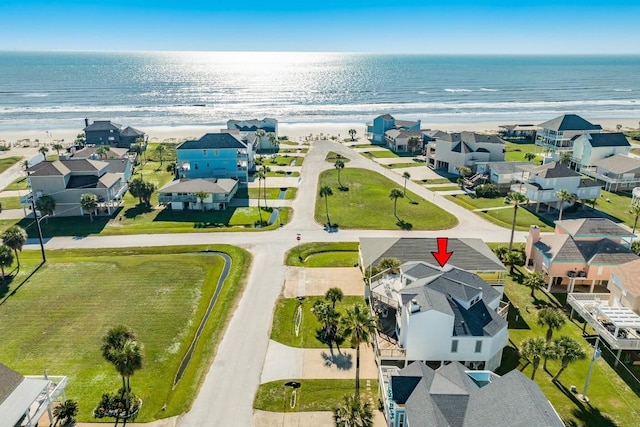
(67,180)
(592,147)
(500,174)
(398,139)
(248,129)
(452,395)
(182,194)
(557,135)
(580,252)
(616,173)
(541,184)
(447,151)
(106,132)
(376,130)
(119,159)
(438,314)
(518,131)
(216,155)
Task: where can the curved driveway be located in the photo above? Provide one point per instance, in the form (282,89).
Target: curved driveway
(226,396)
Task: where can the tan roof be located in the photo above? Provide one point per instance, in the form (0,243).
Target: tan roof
(113,153)
(593,228)
(48,168)
(619,164)
(9,381)
(108,179)
(629,273)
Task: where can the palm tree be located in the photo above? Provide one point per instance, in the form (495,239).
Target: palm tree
(391,264)
(334,295)
(635,211)
(565,157)
(512,259)
(201,195)
(6,258)
(518,199)
(533,281)
(89,203)
(394,195)
(66,412)
(14,238)
(564,197)
(529,156)
(413,143)
(265,170)
(551,318)
(57,147)
(102,151)
(533,349)
(121,348)
(352,134)
(273,139)
(463,171)
(25,164)
(160,150)
(260,175)
(329,317)
(43,150)
(325,191)
(339,165)
(568,350)
(260,133)
(353,413)
(46,205)
(406,177)
(360,325)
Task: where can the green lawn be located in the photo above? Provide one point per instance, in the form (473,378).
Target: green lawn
(293,150)
(55,319)
(515,152)
(7,162)
(168,155)
(285,160)
(272,193)
(313,395)
(332,156)
(609,393)
(284,319)
(617,206)
(10,203)
(366,204)
(19,184)
(405,165)
(381,154)
(364,145)
(445,188)
(339,254)
(282,174)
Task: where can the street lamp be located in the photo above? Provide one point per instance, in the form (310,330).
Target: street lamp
(596,354)
(298,238)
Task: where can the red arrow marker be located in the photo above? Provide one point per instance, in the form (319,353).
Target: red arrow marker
(442,256)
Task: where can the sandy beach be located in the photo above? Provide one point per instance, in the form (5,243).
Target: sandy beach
(295,131)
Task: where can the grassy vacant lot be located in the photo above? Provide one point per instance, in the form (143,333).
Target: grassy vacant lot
(515,152)
(283,160)
(405,165)
(282,174)
(57,317)
(339,254)
(613,401)
(366,204)
(617,206)
(501,217)
(381,154)
(272,193)
(313,395)
(445,188)
(7,162)
(18,184)
(284,319)
(10,202)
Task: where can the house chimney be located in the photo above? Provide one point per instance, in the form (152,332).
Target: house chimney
(534,234)
(414,305)
(86,122)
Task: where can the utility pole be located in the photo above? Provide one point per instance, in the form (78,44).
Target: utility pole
(35,215)
(596,354)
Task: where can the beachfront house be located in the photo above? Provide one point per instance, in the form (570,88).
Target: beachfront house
(557,135)
(500,174)
(447,151)
(25,399)
(119,159)
(248,129)
(376,130)
(67,180)
(216,155)
(399,140)
(453,395)
(592,147)
(541,184)
(182,194)
(525,132)
(106,132)
(580,252)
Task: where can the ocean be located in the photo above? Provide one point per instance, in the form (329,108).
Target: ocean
(59,90)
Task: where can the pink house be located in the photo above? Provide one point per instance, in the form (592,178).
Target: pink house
(581,251)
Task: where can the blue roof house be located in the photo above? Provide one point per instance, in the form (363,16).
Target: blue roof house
(215,155)
(385,122)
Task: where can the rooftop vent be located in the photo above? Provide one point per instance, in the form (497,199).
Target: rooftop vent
(414,305)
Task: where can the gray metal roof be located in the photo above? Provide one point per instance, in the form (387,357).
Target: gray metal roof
(208,185)
(502,168)
(554,170)
(17,394)
(212,141)
(569,122)
(480,138)
(129,131)
(593,228)
(619,164)
(468,254)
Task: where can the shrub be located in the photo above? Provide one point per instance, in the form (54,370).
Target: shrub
(488,191)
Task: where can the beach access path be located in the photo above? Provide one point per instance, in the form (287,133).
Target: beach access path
(228,389)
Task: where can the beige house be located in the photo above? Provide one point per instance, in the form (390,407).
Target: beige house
(616,173)
(398,139)
(182,194)
(67,180)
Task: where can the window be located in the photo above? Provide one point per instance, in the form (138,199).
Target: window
(478,346)
(195,166)
(454,346)
(204,152)
(216,152)
(401,419)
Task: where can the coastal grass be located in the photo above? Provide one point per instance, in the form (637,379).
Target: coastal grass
(272,193)
(381,154)
(282,174)
(335,254)
(67,305)
(10,203)
(285,160)
(19,184)
(445,188)
(515,152)
(7,162)
(313,394)
(332,156)
(616,205)
(365,204)
(614,395)
(284,321)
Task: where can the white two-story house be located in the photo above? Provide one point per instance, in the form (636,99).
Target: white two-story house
(592,147)
(557,135)
(447,151)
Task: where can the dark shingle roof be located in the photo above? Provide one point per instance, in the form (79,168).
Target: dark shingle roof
(101,125)
(569,122)
(462,147)
(593,228)
(9,381)
(554,170)
(129,131)
(608,140)
(212,141)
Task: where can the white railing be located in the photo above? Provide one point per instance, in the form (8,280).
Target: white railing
(503,309)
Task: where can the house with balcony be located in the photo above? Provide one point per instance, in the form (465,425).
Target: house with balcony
(453,395)
(119,159)
(500,174)
(398,140)
(25,399)
(182,194)
(616,173)
(447,151)
(590,148)
(247,130)
(580,252)
(541,184)
(106,132)
(67,180)
(216,155)
(615,316)
(524,132)
(558,135)
(438,314)
(376,130)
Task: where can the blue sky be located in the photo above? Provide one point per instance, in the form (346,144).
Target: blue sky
(438,27)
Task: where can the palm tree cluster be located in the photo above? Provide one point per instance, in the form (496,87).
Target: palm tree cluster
(13,239)
(564,197)
(89,203)
(510,257)
(325,312)
(142,190)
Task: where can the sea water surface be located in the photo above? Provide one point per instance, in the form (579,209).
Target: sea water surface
(58,90)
